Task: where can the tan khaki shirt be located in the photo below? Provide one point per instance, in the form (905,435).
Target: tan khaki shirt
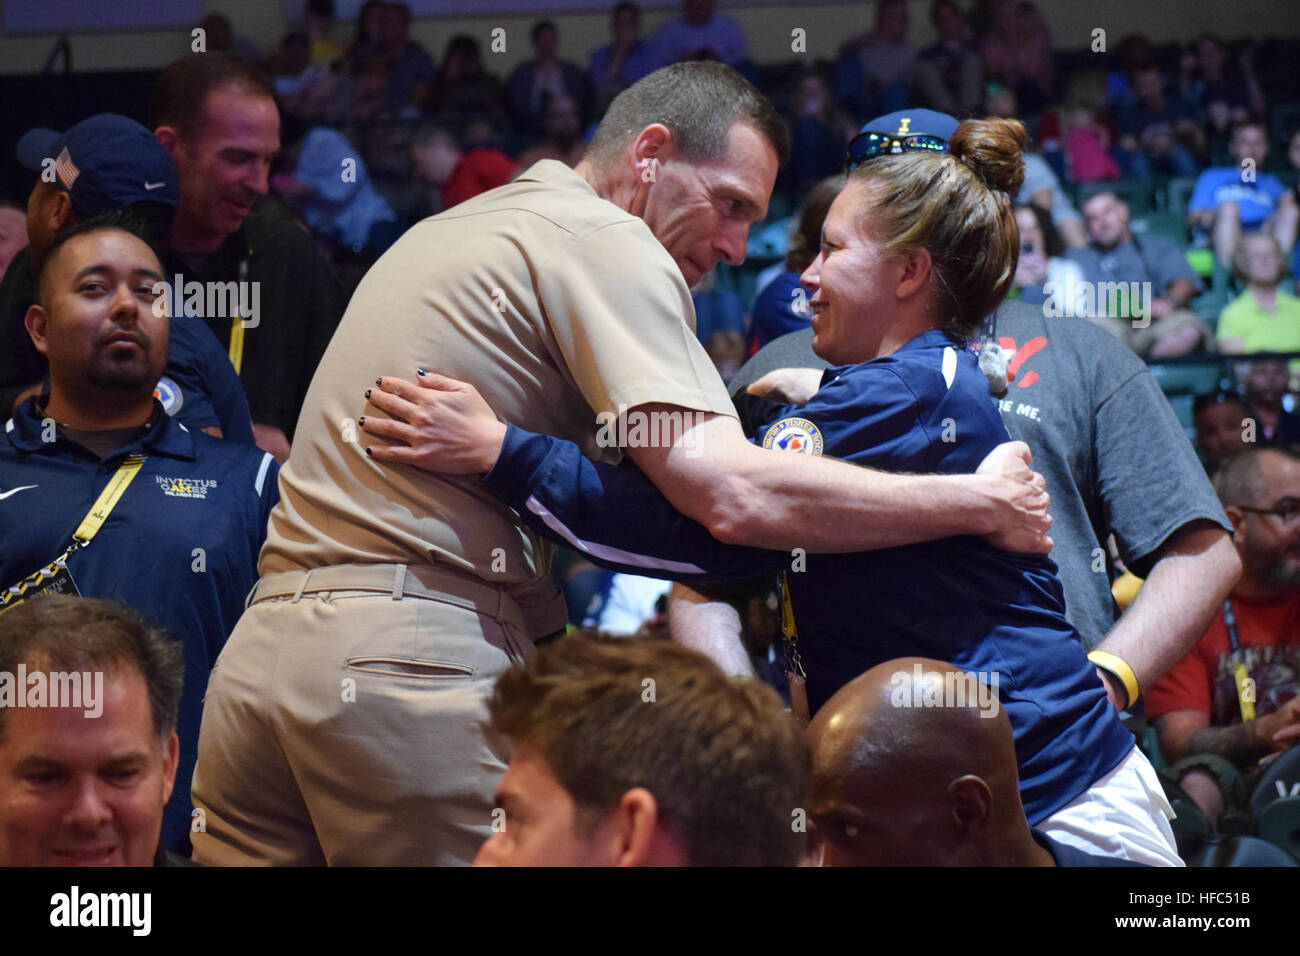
(554,303)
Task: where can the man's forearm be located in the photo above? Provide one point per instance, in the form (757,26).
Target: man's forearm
(787,501)
(1197,568)
(1235,744)
(711,627)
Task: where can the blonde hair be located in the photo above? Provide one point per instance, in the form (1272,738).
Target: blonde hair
(958,207)
(1239,256)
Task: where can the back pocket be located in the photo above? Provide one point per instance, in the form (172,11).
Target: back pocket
(407,667)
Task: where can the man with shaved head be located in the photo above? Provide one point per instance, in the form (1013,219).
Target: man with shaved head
(914,764)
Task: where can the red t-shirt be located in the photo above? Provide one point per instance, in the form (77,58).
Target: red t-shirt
(1269,635)
(476,172)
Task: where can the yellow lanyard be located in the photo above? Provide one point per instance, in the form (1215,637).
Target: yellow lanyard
(237,343)
(89,527)
(237,325)
(1240,676)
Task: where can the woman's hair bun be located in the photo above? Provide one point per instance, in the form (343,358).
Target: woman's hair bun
(992,148)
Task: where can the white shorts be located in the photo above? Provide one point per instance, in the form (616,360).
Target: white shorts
(1125,815)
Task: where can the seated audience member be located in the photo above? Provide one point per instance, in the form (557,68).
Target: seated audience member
(292,65)
(345,211)
(411,72)
(643,753)
(217,117)
(112,163)
(1018,49)
(888,62)
(463,89)
(82,782)
(563,127)
(1041,267)
(1081,130)
(1042,188)
(13,233)
(914,764)
(545,78)
(1233,699)
(455,174)
(1153,127)
(1266,382)
(171,521)
(782,304)
(949,73)
(624,60)
(700,33)
(1152,272)
(1221,92)
(1222,424)
(818,133)
(219,37)
(1231,200)
(318,24)
(1264,318)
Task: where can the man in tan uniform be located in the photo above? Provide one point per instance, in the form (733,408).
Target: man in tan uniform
(342,721)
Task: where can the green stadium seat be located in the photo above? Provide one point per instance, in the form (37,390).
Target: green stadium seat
(1188,379)
(1161,223)
(1178,194)
(1279,824)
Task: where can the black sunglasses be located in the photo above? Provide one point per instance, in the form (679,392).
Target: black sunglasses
(870,144)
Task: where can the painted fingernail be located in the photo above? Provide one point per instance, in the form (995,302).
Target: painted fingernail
(379,381)
(420,371)
(367,393)
(368,455)
(362,421)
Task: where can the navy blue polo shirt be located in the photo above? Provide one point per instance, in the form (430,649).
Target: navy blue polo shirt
(180,547)
(924,409)
(199,387)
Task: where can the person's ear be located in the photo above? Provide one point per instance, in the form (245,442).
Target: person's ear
(971,801)
(170,139)
(633,827)
(35,322)
(171,760)
(1237,517)
(60,213)
(915,274)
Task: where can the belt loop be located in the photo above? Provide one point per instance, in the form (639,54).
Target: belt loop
(302,586)
(399,581)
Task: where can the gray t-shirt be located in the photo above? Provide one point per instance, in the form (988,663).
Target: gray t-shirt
(1110,448)
(1154,259)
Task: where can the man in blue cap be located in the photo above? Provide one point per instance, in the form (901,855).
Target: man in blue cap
(104,163)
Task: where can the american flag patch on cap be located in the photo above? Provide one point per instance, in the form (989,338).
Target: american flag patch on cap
(65,169)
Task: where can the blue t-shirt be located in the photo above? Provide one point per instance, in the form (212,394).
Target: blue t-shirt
(199,387)
(1222,184)
(924,409)
(180,546)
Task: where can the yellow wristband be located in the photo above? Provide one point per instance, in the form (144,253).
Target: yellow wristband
(1114,664)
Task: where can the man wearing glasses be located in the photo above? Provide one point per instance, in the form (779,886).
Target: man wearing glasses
(1233,699)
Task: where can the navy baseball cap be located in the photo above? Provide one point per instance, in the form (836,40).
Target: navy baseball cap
(901,131)
(104,163)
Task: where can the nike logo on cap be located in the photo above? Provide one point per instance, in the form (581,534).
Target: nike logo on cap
(14,491)
(153,186)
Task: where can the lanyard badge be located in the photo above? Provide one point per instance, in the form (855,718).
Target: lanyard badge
(55,578)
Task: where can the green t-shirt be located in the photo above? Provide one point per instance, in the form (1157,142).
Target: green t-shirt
(1260,331)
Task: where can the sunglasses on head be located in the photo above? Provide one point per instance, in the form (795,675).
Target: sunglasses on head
(870,144)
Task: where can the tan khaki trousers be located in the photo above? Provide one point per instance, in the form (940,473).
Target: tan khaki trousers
(342,722)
